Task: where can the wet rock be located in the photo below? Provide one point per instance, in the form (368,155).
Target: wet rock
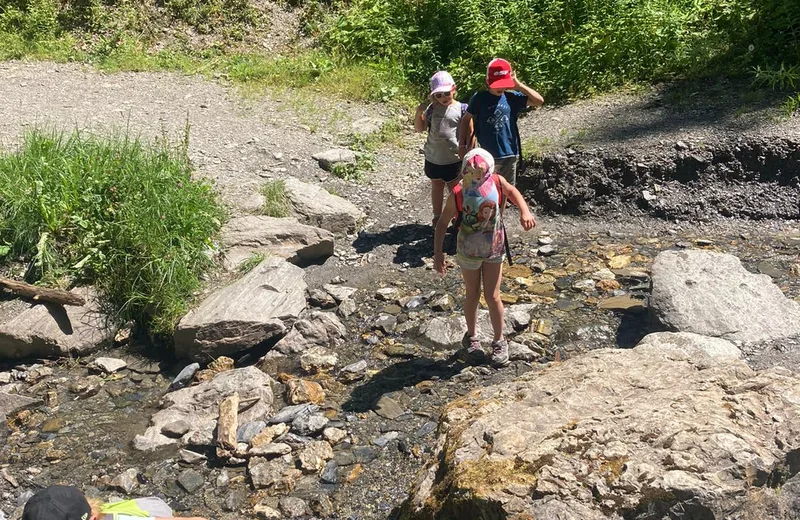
(650,422)
(385,323)
(293,507)
(52,425)
(191,457)
(334,435)
(621,303)
(608,285)
(315,329)
(309,424)
(318,359)
(199,407)
(330,158)
(316,206)
(108,365)
(87,387)
(243,314)
(388,408)
(329,474)
(300,391)
(290,413)
(619,262)
(46,331)
(191,480)
(248,430)
(10,403)
(244,237)
(712,294)
(354,371)
(314,456)
(126,481)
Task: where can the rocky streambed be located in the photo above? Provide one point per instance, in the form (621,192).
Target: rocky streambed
(572,289)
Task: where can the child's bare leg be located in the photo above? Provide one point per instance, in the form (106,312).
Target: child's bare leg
(492,275)
(437,194)
(472,286)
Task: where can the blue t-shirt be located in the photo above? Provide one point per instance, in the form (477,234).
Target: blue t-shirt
(495,121)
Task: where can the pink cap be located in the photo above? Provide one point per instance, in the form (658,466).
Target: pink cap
(442,82)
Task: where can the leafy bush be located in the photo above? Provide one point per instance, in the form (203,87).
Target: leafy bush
(126,217)
(568,48)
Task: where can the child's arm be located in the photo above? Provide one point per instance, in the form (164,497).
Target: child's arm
(525,216)
(447,215)
(419,117)
(465,134)
(534,98)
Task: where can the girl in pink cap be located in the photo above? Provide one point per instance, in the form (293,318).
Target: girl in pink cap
(480,199)
(441,115)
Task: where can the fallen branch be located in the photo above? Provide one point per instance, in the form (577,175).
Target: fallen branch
(42,293)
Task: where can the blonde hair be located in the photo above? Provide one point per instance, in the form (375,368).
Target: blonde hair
(95,504)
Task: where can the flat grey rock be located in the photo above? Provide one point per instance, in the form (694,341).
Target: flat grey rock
(316,206)
(50,330)
(251,310)
(712,294)
(330,158)
(286,238)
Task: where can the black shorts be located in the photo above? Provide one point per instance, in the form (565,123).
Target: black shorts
(444,172)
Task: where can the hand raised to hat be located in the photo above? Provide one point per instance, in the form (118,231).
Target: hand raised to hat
(514,77)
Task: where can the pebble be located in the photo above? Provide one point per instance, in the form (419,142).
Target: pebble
(330,473)
(191,457)
(547,250)
(388,408)
(365,454)
(176,429)
(309,424)
(108,365)
(544,241)
(125,481)
(248,430)
(191,480)
(293,507)
(184,376)
(289,413)
(385,439)
(386,293)
(425,429)
(334,435)
(386,323)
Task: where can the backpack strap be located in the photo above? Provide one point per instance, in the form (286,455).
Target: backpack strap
(498,183)
(457,193)
(428,114)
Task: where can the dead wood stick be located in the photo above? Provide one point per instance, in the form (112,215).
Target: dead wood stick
(42,293)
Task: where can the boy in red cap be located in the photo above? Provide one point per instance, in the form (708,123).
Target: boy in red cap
(495,112)
(69,503)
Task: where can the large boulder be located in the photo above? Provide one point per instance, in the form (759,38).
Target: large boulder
(711,294)
(314,205)
(690,343)
(260,305)
(50,330)
(635,434)
(197,409)
(286,238)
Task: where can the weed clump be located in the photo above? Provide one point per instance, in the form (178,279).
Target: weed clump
(117,213)
(276,202)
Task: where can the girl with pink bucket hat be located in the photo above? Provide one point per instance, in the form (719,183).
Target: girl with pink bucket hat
(441,115)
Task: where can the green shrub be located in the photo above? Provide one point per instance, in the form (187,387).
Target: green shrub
(119,214)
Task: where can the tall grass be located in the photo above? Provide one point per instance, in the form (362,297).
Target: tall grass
(114,212)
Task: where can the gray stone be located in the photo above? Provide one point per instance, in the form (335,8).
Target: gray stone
(689,344)
(441,303)
(108,365)
(270,450)
(354,371)
(347,308)
(309,424)
(125,481)
(315,206)
(520,352)
(339,293)
(191,480)
(289,413)
(185,376)
(10,403)
(443,332)
(318,359)
(388,408)
(385,323)
(293,507)
(266,473)
(286,238)
(249,311)
(334,435)
(518,317)
(176,429)
(711,294)
(367,126)
(330,158)
(385,439)
(548,250)
(329,474)
(248,430)
(199,407)
(705,433)
(314,329)
(49,330)
(191,457)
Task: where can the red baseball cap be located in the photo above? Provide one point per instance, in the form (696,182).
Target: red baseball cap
(498,74)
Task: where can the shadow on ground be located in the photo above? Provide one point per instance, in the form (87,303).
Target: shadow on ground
(398,376)
(414,241)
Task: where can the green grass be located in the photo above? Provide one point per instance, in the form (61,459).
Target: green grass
(251,262)
(117,213)
(276,203)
